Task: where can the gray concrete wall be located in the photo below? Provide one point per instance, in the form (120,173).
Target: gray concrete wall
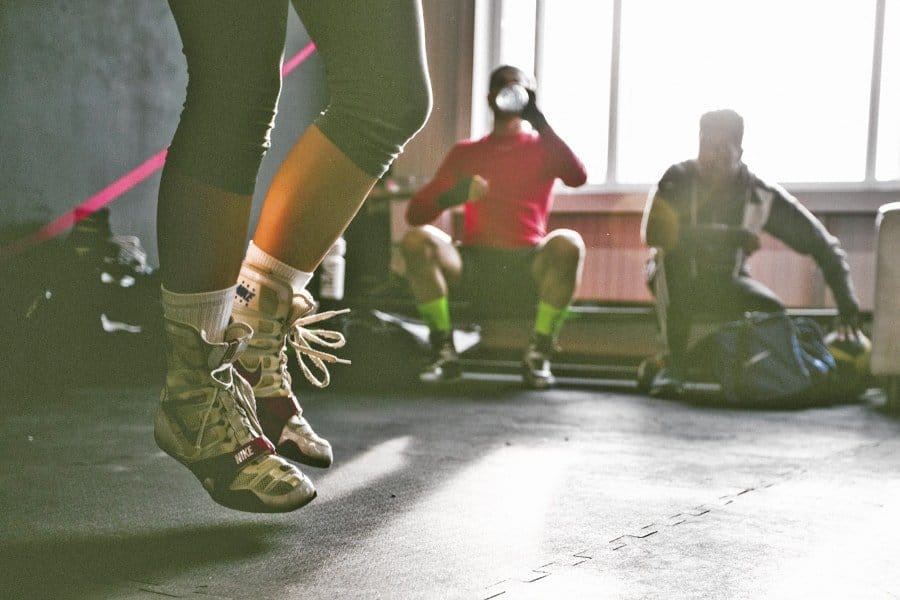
(90,90)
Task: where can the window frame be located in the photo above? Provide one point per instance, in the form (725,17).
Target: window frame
(487,46)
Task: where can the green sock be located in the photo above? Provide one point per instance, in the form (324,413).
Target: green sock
(436,314)
(549,319)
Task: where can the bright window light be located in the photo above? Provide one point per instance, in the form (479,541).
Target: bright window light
(517,27)
(798,71)
(887,163)
(574,77)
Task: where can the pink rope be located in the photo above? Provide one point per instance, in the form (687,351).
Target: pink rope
(117,188)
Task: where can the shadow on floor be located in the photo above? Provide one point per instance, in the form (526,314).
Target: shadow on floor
(78,566)
(393,450)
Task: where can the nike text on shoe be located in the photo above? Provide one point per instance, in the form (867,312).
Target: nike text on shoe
(281,318)
(207,421)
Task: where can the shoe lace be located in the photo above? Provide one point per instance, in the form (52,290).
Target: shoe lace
(301,339)
(243,402)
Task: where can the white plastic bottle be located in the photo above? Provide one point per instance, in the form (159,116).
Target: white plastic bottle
(512,98)
(331,272)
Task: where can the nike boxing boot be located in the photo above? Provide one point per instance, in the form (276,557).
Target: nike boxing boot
(280,318)
(207,421)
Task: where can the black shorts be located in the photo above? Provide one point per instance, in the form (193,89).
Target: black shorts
(498,281)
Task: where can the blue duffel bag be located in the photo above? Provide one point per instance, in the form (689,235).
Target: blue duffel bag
(771,359)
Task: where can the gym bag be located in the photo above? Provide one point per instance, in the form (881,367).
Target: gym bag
(771,359)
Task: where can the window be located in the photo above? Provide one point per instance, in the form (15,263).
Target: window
(803,95)
(574,93)
(799,71)
(888,148)
(517,26)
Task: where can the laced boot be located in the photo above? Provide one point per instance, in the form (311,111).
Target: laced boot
(207,421)
(279,318)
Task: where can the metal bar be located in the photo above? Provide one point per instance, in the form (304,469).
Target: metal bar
(540,11)
(612,140)
(875,91)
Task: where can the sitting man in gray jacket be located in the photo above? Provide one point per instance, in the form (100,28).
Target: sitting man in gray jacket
(704,219)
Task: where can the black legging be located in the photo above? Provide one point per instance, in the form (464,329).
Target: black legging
(377,80)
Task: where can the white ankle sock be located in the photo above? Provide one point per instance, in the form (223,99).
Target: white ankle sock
(207,311)
(274,267)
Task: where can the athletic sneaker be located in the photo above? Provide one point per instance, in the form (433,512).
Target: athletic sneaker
(668,383)
(444,365)
(279,317)
(207,421)
(536,372)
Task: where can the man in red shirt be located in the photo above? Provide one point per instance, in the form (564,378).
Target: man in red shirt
(504,183)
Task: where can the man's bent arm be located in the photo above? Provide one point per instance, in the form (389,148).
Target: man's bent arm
(563,161)
(796,226)
(425,205)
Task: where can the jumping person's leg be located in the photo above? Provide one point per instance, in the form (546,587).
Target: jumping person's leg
(380,96)
(207,418)
(233,52)
(433,264)
(556,270)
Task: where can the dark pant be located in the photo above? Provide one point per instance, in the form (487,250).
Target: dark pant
(682,298)
(498,281)
(374,57)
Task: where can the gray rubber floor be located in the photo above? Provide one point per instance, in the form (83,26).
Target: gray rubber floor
(481,490)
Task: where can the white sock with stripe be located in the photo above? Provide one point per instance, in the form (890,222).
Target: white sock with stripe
(205,311)
(270,265)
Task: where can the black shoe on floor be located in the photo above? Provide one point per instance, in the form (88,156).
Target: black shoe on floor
(444,365)
(536,372)
(668,383)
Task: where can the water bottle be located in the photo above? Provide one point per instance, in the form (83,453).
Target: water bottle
(512,98)
(331,272)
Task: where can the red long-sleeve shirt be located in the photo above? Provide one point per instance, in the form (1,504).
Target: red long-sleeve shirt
(520,170)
